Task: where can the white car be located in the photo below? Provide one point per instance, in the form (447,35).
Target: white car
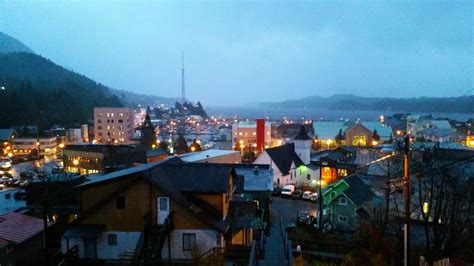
(5,163)
(287,190)
(313,196)
(306,195)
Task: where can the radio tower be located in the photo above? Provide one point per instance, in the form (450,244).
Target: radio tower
(183,89)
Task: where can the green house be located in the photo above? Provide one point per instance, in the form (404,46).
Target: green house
(348,201)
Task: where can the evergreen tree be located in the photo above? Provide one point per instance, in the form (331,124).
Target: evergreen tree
(200,110)
(148,133)
(339,137)
(375,135)
(181,145)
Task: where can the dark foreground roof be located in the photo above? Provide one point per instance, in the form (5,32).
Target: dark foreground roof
(283,156)
(160,179)
(199,177)
(358,191)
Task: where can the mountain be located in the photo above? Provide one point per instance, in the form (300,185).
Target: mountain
(9,44)
(33,87)
(348,102)
(133,99)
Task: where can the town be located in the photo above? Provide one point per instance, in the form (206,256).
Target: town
(236,133)
(157,185)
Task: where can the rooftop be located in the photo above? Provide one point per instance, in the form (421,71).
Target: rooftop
(329,129)
(17,228)
(205,154)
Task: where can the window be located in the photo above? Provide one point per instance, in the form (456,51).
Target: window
(99,121)
(342,219)
(189,241)
(342,201)
(99,127)
(120,120)
(112,239)
(120,202)
(308,177)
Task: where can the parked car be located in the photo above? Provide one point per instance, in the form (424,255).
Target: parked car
(306,195)
(313,196)
(302,216)
(5,163)
(296,194)
(287,190)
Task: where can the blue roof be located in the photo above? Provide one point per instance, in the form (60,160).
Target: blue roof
(383,131)
(328,129)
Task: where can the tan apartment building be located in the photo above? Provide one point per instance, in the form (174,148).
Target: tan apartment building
(113,125)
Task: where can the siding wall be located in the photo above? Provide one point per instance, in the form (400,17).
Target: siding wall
(126,244)
(205,240)
(348,210)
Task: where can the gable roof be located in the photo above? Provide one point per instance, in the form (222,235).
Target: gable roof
(383,131)
(160,179)
(358,192)
(283,156)
(329,129)
(199,177)
(17,228)
(6,133)
(302,135)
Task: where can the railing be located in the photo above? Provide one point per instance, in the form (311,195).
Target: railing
(253,258)
(137,254)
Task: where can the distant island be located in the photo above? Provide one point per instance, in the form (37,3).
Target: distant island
(346,102)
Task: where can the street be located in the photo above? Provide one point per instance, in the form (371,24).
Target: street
(288,208)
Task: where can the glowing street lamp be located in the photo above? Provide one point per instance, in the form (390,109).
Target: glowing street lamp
(329,141)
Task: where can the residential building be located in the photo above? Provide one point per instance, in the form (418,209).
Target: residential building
(45,145)
(225,133)
(6,138)
(113,125)
(20,237)
(333,165)
(92,159)
(284,162)
(385,132)
(168,211)
(359,135)
(349,201)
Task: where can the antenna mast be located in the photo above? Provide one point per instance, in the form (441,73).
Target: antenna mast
(183,89)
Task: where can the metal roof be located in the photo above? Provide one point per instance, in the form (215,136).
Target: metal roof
(328,129)
(17,227)
(206,154)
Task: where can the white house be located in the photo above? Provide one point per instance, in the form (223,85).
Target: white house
(284,163)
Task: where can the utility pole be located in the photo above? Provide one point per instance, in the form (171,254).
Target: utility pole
(320,195)
(406,183)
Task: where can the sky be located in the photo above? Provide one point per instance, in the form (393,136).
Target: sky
(256,51)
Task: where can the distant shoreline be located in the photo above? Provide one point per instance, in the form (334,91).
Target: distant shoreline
(317,113)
